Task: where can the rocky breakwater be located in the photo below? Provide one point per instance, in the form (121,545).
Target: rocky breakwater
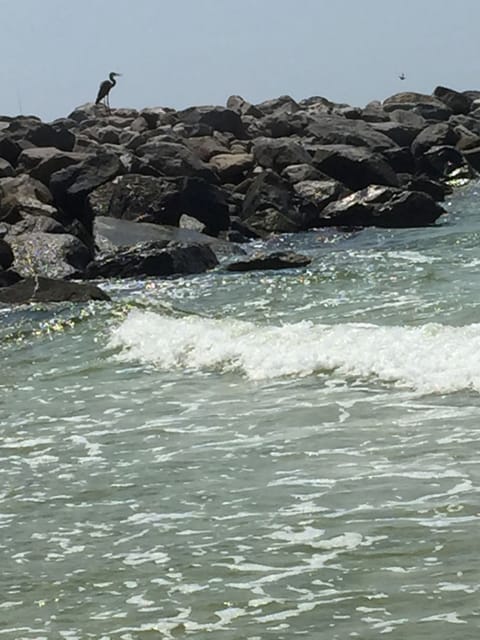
(160,192)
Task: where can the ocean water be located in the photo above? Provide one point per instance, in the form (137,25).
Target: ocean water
(252,456)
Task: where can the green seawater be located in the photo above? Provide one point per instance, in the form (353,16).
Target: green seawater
(252,456)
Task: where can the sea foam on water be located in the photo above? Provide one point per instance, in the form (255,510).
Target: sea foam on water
(431,358)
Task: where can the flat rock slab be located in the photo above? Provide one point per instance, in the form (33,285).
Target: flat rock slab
(276,260)
(50,290)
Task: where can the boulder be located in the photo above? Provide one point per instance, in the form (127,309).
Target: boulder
(269,205)
(355,167)
(266,261)
(72,185)
(50,255)
(9,148)
(206,147)
(232,167)
(434,135)
(402,134)
(284,104)
(381,206)
(299,172)
(6,169)
(41,289)
(138,197)
(6,255)
(279,153)
(205,202)
(242,107)
(22,195)
(333,129)
(174,160)
(457,102)
(41,134)
(439,161)
(315,195)
(400,159)
(111,233)
(42,162)
(218,118)
(429,107)
(153,259)
(8,277)
(36,223)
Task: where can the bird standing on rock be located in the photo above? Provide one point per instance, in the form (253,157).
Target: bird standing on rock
(105,88)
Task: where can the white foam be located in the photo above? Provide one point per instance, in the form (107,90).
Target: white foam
(431,358)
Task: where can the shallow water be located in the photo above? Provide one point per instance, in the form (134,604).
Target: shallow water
(250,456)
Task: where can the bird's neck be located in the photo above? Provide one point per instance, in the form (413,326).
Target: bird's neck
(112,79)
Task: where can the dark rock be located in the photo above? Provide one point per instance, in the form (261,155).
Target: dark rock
(48,254)
(269,205)
(382,207)
(50,290)
(466,138)
(154,259)
(218,118)
(6,255)
(72,185)
(6,169)
(354,167)
(137,197)
(401,134)
(9,148)
(279,153)
(41,134)
(434,135)
(42,162)
(315,195)
(473,157)
(174,160)
(457,102)
(332,129)
(8,277)
(435,190)
(400,159)
(276,260)
(205,202)
(439,161)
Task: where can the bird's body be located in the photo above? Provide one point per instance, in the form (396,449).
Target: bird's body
(105,88)
(402,76)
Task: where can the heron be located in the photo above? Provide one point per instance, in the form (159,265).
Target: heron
(105,88)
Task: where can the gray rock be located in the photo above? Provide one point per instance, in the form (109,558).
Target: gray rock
(299,172)
(6,255)
(174,160)
(6,169)
(232,167)
(50,255)
(218,118)
(42,162)
(279,153)
(459,103)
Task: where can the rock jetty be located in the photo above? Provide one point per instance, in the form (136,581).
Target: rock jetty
(160,192)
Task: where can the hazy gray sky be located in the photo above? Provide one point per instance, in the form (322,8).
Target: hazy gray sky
(54,53)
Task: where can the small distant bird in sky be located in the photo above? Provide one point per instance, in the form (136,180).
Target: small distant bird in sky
(402,76)
(105,88)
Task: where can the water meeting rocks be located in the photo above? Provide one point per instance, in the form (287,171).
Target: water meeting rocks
(241,171)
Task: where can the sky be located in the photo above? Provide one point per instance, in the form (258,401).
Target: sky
(179,53)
